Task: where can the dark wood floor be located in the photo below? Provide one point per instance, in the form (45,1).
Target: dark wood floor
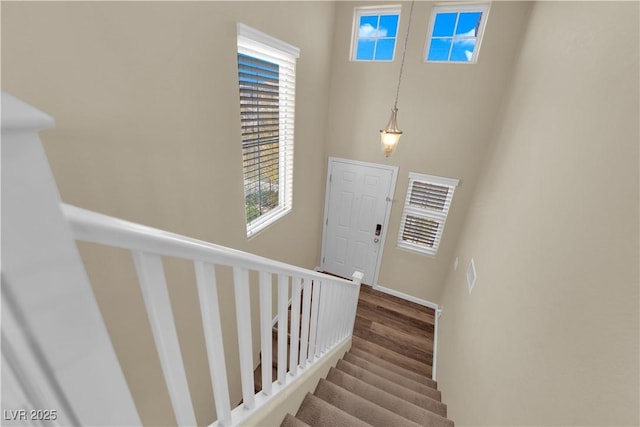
(395,330)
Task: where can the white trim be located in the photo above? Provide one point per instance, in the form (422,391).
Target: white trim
(373,11)
(262,46)
(262,222)
(407,297)
(383,237)
(451,182)
(435,344)
(483,7)
(386,9)
(267,40)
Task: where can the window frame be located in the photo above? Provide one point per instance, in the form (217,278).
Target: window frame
(262,46)
(425,213)
(482,7)
(394,9)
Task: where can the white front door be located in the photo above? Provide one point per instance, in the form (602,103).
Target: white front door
(357,208)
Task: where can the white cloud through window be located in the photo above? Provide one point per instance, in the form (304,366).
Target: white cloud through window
(367,31)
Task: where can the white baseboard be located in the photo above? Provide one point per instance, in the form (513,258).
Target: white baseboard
(407,297)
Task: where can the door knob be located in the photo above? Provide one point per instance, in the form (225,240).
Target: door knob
(376,240)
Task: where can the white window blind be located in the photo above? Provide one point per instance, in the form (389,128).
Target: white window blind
(425,212)
(266,77)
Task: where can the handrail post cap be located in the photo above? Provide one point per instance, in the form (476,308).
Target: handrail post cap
(357,276)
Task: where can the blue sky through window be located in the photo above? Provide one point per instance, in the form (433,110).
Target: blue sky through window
(454,36)
(376,39)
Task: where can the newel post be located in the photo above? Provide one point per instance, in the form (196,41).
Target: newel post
(57,357)
(357,278)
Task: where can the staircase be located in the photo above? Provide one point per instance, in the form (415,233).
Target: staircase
(364,390)
(384,380)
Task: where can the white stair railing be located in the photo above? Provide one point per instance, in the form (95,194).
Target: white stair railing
(336,297)
(322,310)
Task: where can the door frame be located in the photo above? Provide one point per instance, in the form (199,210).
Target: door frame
(387,215)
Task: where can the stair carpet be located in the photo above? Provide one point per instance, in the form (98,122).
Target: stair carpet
(364,390)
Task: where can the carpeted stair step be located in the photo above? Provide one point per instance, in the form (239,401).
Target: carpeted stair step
(382,383)
(394,368)
(291,421)
(387,400)
(392,376)
(359,407)
(316,412)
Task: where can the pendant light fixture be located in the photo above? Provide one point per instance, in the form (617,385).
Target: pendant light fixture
(390,136)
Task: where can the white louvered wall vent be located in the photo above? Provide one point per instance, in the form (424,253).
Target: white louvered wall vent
(471,276)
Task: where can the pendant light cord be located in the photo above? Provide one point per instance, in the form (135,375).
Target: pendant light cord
(404,52)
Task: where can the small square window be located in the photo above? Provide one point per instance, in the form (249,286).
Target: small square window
(455,33)
(375,30)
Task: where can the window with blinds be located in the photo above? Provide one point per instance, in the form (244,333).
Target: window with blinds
(266,79)
(425,212)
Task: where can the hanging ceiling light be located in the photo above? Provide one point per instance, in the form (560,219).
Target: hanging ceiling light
(390,136)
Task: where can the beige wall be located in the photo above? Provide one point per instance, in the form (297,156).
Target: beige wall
(147,128)
(549,335)
(144,97)
(445,110)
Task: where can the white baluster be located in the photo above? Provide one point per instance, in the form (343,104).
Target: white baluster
(266,335)
(210,310)
(349,308)
(306,313)
(338,311)
(330,307)
(327,291)
(315,311)
(322,319)
(343,309)
(348,294)
(296,294)
(283,304)
(156,299)
(243,316)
